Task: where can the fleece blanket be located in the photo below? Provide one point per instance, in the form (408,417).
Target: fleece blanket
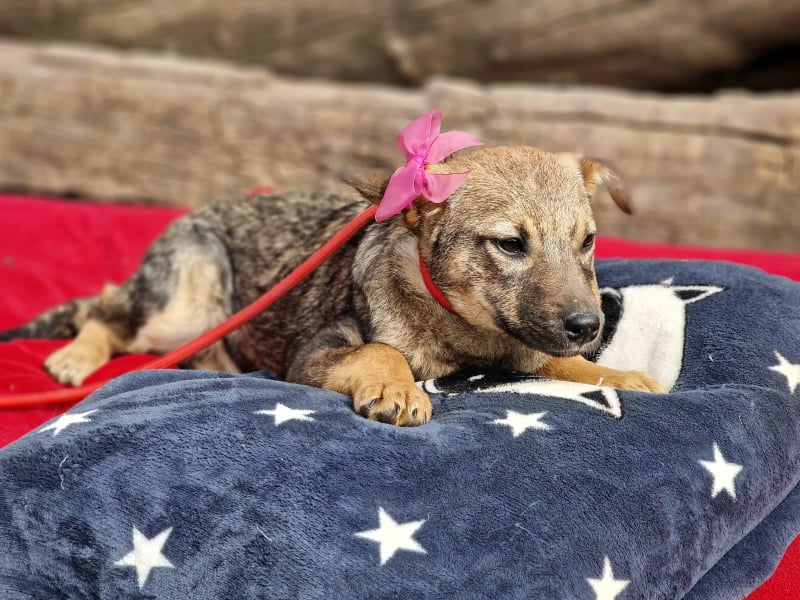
(183,484)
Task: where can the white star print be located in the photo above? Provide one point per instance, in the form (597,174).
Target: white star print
(283,413)
(393,536)
(564,389)
(723,473)
(146,555)
(67,419)
(607,588)
(520,422)
(788,370)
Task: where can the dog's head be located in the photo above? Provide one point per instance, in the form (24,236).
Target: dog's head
(513,247)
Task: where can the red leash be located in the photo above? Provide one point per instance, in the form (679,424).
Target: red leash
(212,335)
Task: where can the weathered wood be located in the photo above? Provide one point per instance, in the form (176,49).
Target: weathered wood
(722,170)
(658,44)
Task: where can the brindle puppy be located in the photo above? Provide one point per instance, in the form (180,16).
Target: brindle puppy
(512,249)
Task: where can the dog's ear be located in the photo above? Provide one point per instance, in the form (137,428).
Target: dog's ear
(373,187)
(597,175)
(419,209)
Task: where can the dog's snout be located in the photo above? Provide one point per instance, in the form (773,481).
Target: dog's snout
(582,327)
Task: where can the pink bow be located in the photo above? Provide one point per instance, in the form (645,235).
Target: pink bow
(422,144)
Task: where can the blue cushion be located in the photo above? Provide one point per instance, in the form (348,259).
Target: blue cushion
(179,484)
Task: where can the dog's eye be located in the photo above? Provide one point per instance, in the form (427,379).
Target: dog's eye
(511,246)
(588,242)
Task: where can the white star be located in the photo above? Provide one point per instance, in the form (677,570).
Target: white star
(393,536)
(146,555)
(607,588)
(520,422)
(723,473)
(67,419)
(283,413)
(565,389)
(788,370)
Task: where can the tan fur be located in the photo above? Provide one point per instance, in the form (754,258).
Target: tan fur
(497,210)
(364,323)
(95,344)
(214,358)
(598,175)
(381,384)
(83,312)
(192,310)
(580,370)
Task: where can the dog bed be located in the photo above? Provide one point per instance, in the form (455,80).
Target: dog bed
(190,484)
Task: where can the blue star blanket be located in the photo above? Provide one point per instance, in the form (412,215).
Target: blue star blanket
(208,486)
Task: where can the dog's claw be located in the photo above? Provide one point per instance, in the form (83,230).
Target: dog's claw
(396,403)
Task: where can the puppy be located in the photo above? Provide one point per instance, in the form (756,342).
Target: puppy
(511,251)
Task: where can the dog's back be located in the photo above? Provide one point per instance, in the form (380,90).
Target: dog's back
(206,266)
(512,250)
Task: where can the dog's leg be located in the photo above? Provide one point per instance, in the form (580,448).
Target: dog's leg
(376,376)
(213,358)
(381,384)
(62,321)
(580,370)
(97,340)
(93,347)
(181,290)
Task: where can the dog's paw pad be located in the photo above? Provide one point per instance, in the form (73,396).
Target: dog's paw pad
(396,403)
(73,363)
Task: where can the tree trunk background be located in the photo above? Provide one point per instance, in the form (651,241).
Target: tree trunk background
(719,170)
(654,44)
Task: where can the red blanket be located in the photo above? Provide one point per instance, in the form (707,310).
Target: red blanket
(51,251)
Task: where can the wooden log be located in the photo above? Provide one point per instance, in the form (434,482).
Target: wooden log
(659,44)
(722,170)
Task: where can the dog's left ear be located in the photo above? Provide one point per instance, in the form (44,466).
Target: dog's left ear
(373,188)
(598,175)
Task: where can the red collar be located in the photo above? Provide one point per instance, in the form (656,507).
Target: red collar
(434,290)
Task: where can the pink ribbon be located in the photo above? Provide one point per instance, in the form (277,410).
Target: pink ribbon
(422,145)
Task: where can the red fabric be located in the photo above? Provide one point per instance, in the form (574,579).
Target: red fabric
(53,250)
(777,263)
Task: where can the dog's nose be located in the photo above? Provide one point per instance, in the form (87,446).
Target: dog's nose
(582,327)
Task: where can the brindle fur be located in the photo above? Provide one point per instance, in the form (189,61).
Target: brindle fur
(364,324)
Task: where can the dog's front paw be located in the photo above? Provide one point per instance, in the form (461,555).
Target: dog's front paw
(73,363)
(396,403)
(635,381)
